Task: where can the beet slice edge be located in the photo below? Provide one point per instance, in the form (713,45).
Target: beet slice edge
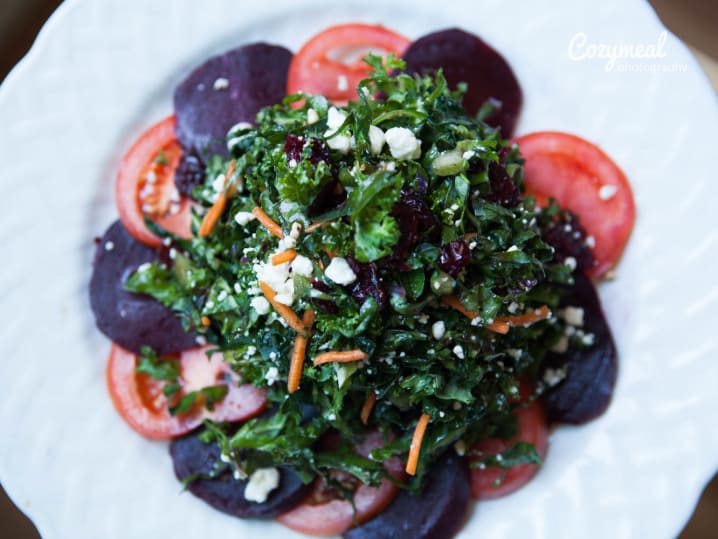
(437,513)
(225,90)
(131,320)
(191,456)
(464,57)
(586,391)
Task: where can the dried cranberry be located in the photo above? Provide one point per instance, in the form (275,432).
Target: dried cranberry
(415,219)
(190,173)
(369,283)
(503,190)
(294,147)
(318,285)
(566,235)
(454,256)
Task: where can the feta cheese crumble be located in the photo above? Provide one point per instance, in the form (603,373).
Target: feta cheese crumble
(607,192)
(301,265)
(312,117)
(340,272)
(403,145)
(458,351)
(261,483)
(341,143)
(220,84)
(572,315)
(438,330)
(260,304)
(242,218)
(376,139)
(272,375)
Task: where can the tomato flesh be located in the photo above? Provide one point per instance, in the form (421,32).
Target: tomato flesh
(316,516)
(145,185)
(323,65)
(532,429)
(583,179)
(141,403)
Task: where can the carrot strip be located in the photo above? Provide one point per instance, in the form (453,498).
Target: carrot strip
(206,321)
(284,311)
(319,224)
(215,211)
(454,303)
(340,357)
(416,440)
(296,362)
(526,319)
(367,408)
(498,326)
(284,256)
(268,222)
(501,324)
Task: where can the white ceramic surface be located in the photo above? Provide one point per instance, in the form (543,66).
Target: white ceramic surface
(102,71)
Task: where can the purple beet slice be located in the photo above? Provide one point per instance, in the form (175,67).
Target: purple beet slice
(131,320)
(590,372)
(466,58)
(437,513)
(192,457)
(225,90)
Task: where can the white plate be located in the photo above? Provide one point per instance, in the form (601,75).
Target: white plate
(102,71)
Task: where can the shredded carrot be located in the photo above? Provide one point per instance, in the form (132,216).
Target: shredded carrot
(454,303)
(205,321)
(319,224)
(340,357)
(296,363)
(416,440)
(526,319)
(501,324)
(284,256)
(215,212)
(470,235)
(367,408)
(284,311)
(498,326)
(330,253)
(268,222)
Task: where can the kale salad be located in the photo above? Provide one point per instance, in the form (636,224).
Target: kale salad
(366,305)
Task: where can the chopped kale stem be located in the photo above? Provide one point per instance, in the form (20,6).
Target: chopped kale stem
(392,203)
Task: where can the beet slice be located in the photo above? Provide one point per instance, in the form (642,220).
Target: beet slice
(131,320)
(437,513)
(590,372)
(225,90)
(191,456)
(466,58)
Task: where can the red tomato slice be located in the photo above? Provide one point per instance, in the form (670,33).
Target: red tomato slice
(586,181)
(317,516)
(146,185)
(532,429)
(139,399)
(328,64)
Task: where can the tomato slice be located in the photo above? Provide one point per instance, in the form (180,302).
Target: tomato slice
(532,429)
(583,179)
(331,63)
(140,401)
(145,185)
(319,516)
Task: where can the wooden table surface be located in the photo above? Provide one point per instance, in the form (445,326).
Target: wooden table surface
(694,21)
